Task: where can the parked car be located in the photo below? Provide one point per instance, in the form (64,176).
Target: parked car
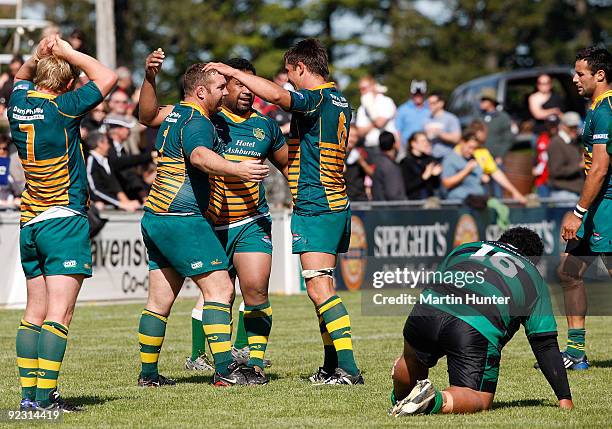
(513,88)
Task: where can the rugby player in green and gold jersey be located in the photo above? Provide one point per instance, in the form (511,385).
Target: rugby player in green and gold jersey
(471,322)
(180,241)
(321,220)
(44,115)
(242,220)
(589,230)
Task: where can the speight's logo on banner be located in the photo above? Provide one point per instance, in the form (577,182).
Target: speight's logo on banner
(405,241)
(353,263)
(466,230)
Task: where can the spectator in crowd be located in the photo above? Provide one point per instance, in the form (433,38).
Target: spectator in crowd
(499,132)
(412,115)
(420,170)
(103,182)
(7,189)
(118,128)
(77,40)
(461,174)
(490,169)
(7,80)
(124,81)
(544,102)
(540,170)
(375,114)
(118,105)
(387,182)
(93,120)
(566,166)
(357,167)
(442,128)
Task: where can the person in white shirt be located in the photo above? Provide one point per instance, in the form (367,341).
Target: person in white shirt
(375,114)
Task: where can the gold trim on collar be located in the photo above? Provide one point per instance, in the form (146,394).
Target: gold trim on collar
(606,94)
(238,118)
(38,94)
(194,106)
(325,85)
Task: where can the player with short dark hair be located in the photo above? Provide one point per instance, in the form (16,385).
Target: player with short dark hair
(242,221)
(44,114)
(471,324)
(321,219)
(588,230)
(180,241)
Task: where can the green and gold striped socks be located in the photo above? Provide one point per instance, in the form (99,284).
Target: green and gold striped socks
(151,332)
(27,358)
(51,348)
(216,319)
(330,358)
(576,339)
(198,339)
(258,324)
(338,325)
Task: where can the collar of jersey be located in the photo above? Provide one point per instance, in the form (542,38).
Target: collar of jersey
(238,118)
(606,94)
(325,85)
(194,106)
(38,94)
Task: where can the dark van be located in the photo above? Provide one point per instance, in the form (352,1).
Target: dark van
(513,88)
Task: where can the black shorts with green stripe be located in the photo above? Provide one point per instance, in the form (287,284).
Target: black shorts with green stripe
(472,360)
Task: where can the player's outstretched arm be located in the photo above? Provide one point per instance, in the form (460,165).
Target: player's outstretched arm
(104,78)
(546,350)
(261,87)
(150,113)
(211,163)
(28,69)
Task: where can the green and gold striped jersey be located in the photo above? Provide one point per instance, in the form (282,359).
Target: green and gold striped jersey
(504,291)
(253,136)
(46,130)
(179,187)
(597,124)
(317,148)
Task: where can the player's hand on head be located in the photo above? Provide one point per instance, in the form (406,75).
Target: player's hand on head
(61,48)
(224,69)
(45,47)
(154,62)
(253,170)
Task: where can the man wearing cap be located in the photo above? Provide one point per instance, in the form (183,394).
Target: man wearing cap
(499,137)
(566,167)
(412,115)
(118,128)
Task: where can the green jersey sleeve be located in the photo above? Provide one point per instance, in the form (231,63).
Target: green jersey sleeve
(198,132)
(602,120)
(80,101)
(305,101)
(278,139)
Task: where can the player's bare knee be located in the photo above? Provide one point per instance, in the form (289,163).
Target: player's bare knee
(568,278)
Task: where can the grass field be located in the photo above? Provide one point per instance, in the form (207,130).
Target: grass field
(101,368)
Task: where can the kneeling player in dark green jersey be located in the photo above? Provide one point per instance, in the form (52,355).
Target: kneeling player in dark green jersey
(180,241)
(472,328)
(588,230)
(321,219)
(44,115)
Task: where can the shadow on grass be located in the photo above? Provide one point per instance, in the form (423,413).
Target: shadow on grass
(601,363)
(207,379)
(81,401)
(523,403)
